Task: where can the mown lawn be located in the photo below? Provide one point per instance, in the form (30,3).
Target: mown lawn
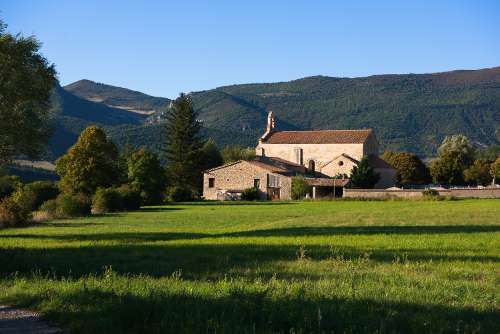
(298,267)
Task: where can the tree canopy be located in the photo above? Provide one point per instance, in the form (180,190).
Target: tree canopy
(92,162)
(495,170)
(455,155)
(146,175)
(478,173)
(410,169)
(363,175)
(232,153)
(26,81)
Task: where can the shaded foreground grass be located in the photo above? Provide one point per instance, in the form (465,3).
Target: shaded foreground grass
(290,268)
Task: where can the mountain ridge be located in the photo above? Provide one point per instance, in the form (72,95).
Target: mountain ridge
(410,112)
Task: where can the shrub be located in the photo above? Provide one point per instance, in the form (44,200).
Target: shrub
(107,200)
(72,205)
(11,214)
(25,199)
(300,188)
(179,194)
(8,184)
(43,191)
(430,194)
(250,194)
(131,199)
(50,208)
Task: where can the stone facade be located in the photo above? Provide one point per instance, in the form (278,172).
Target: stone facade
(241,175)
(329,152)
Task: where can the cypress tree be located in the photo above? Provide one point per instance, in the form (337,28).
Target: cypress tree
(183,148)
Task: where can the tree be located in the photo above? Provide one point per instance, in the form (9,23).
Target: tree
(26,81)
(300,188)
(233,153)
(363,175)
(210,155)
(410,169)
(478,173)
(92,162)
(183,148)
(146,176)
(454,155)
(495,170)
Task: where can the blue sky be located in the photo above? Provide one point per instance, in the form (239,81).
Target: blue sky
(164,47)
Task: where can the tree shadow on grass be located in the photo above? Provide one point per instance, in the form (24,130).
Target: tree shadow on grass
(365,230)
(275,232)
(204,261)
(242,309)
(157,209)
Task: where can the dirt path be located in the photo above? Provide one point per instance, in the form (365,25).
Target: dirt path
(18,321)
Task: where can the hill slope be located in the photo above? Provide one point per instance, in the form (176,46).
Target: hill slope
(117,97)
(411,112)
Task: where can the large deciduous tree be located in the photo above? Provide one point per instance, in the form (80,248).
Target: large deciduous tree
(410,169)
(454,156)
(363,175)
(478,173)
(26,81)
(183,148)
(146,176)
(92,162)
(495,170)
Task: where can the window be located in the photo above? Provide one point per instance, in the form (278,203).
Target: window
(312,166)
(262,152)
(273,181)
(256,183)
(211,182)
(341,163)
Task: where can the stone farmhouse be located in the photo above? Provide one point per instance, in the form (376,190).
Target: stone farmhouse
(324,158)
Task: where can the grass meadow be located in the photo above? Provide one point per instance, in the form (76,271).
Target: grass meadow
(276,267)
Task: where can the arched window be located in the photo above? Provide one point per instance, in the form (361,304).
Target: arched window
(312,166)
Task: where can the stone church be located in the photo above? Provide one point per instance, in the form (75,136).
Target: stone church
(324,158)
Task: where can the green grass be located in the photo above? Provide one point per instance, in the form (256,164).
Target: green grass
(299,267)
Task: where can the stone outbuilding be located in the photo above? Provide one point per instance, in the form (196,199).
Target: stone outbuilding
(272,177)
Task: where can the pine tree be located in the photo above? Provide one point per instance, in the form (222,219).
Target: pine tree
(183,148)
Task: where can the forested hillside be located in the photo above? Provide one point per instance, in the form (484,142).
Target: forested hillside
(117,97)
(411,112)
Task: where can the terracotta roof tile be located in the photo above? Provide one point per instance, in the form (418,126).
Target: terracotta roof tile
(319,137)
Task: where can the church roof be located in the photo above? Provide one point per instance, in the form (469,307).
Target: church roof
(318,137)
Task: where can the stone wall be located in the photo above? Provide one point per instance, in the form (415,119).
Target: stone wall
(417,193)
(475,193)
(379,193)
(237,176)
(240,176)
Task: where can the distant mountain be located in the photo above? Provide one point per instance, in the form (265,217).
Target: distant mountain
(117,97)
(72,114)
(411,112)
